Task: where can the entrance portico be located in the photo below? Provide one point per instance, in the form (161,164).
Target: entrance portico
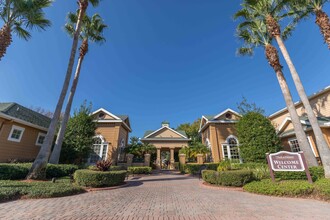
(166,139)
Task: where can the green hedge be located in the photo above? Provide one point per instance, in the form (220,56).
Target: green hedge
(10,171)
(283,188)
(322,188)
(228,178)
(139,170)
(10,190)
(193,168)
(90,178)
(316,173)
(112,168)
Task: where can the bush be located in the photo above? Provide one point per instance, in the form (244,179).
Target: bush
(193,168)
(139,170)
(10,190)
(228,178)
(316,173)
(235,177)
(60,170)
(224,165)
(210,176)
(322,188)
(283,188)
(20,171)
(90,178)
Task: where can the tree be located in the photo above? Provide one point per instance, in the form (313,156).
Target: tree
(139,149)
(257,136)
(191,130)
(253,34)
(305,8)
(78,136)
(245,107)
(20,16)
(91,30)
(273,12)
(38,169)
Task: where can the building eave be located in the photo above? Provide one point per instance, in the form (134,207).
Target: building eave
(22,122)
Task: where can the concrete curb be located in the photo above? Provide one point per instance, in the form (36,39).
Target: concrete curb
(107,188)
(227,188)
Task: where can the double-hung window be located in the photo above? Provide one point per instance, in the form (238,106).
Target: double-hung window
(40,139)
(16,134)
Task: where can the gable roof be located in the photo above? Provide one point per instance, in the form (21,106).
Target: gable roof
(117,118)
(22,114)
(181,133)
(214,119)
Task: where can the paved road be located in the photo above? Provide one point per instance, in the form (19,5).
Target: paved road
(166,196)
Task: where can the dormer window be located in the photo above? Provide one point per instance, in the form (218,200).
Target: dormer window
(101,115)
(228,116)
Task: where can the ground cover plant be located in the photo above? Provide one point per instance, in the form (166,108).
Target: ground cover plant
(10,190)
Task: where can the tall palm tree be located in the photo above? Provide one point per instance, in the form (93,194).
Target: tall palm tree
(20,16)
(304,8)
(272,13)
(254,34)
(38,169)
(91,30)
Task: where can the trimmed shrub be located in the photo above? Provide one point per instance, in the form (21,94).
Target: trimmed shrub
(210,176)
(316,173)
(90,178)
(193,168)
(248,165)
(139,170)
(224,165)
(60,170)
(284,188)
(235,177)
(228,178)
(322,188)
(115,168)
(19,171)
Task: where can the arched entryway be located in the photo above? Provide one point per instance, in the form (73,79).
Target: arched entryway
(99,149)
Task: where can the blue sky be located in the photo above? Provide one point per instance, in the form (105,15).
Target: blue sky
(163,60)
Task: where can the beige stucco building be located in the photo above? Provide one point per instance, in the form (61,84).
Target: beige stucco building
(22,132)
(166,139)
(219,134)
(111,136)
(320,103)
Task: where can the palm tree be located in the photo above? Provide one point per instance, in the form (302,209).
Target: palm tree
(272,12)
(38,169)
(91,30)
(19,16)
(254,34)
(305,8)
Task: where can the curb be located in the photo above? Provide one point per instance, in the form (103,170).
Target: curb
(107,188)
(227,188)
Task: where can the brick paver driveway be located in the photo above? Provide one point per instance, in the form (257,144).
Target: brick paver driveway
(166,196)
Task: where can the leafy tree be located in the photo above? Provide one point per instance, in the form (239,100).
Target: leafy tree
(139,149)
(191,130)
(245,107)
(91,30)
(20,16)
(79,135)
(194,149)
(273,13)
(256,136)
(38,169)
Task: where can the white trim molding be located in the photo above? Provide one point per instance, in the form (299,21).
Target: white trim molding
(40,135)
(227,110)
(166,128)
(13,128)
(107,112)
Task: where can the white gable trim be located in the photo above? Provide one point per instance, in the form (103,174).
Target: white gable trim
(200,125)
(286,121)
(163,128)
(107,112)
(227,110)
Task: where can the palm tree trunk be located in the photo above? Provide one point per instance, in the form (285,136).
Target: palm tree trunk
(322,20)
(274,61)
(38,169)
(55,156)
(320,141)
(5,39)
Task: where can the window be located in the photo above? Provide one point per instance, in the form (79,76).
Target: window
(230,149)
(99,150)
(121,150)
(16,133)
(294,145)
(40,139)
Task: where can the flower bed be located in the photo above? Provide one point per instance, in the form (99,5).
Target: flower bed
(90,178)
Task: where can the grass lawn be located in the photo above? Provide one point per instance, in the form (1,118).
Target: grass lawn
(13,189)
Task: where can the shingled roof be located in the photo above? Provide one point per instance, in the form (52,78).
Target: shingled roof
(20,112)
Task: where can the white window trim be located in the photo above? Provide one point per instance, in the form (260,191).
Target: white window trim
(14,127)
(39,135)
(103,142)
(309,141)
